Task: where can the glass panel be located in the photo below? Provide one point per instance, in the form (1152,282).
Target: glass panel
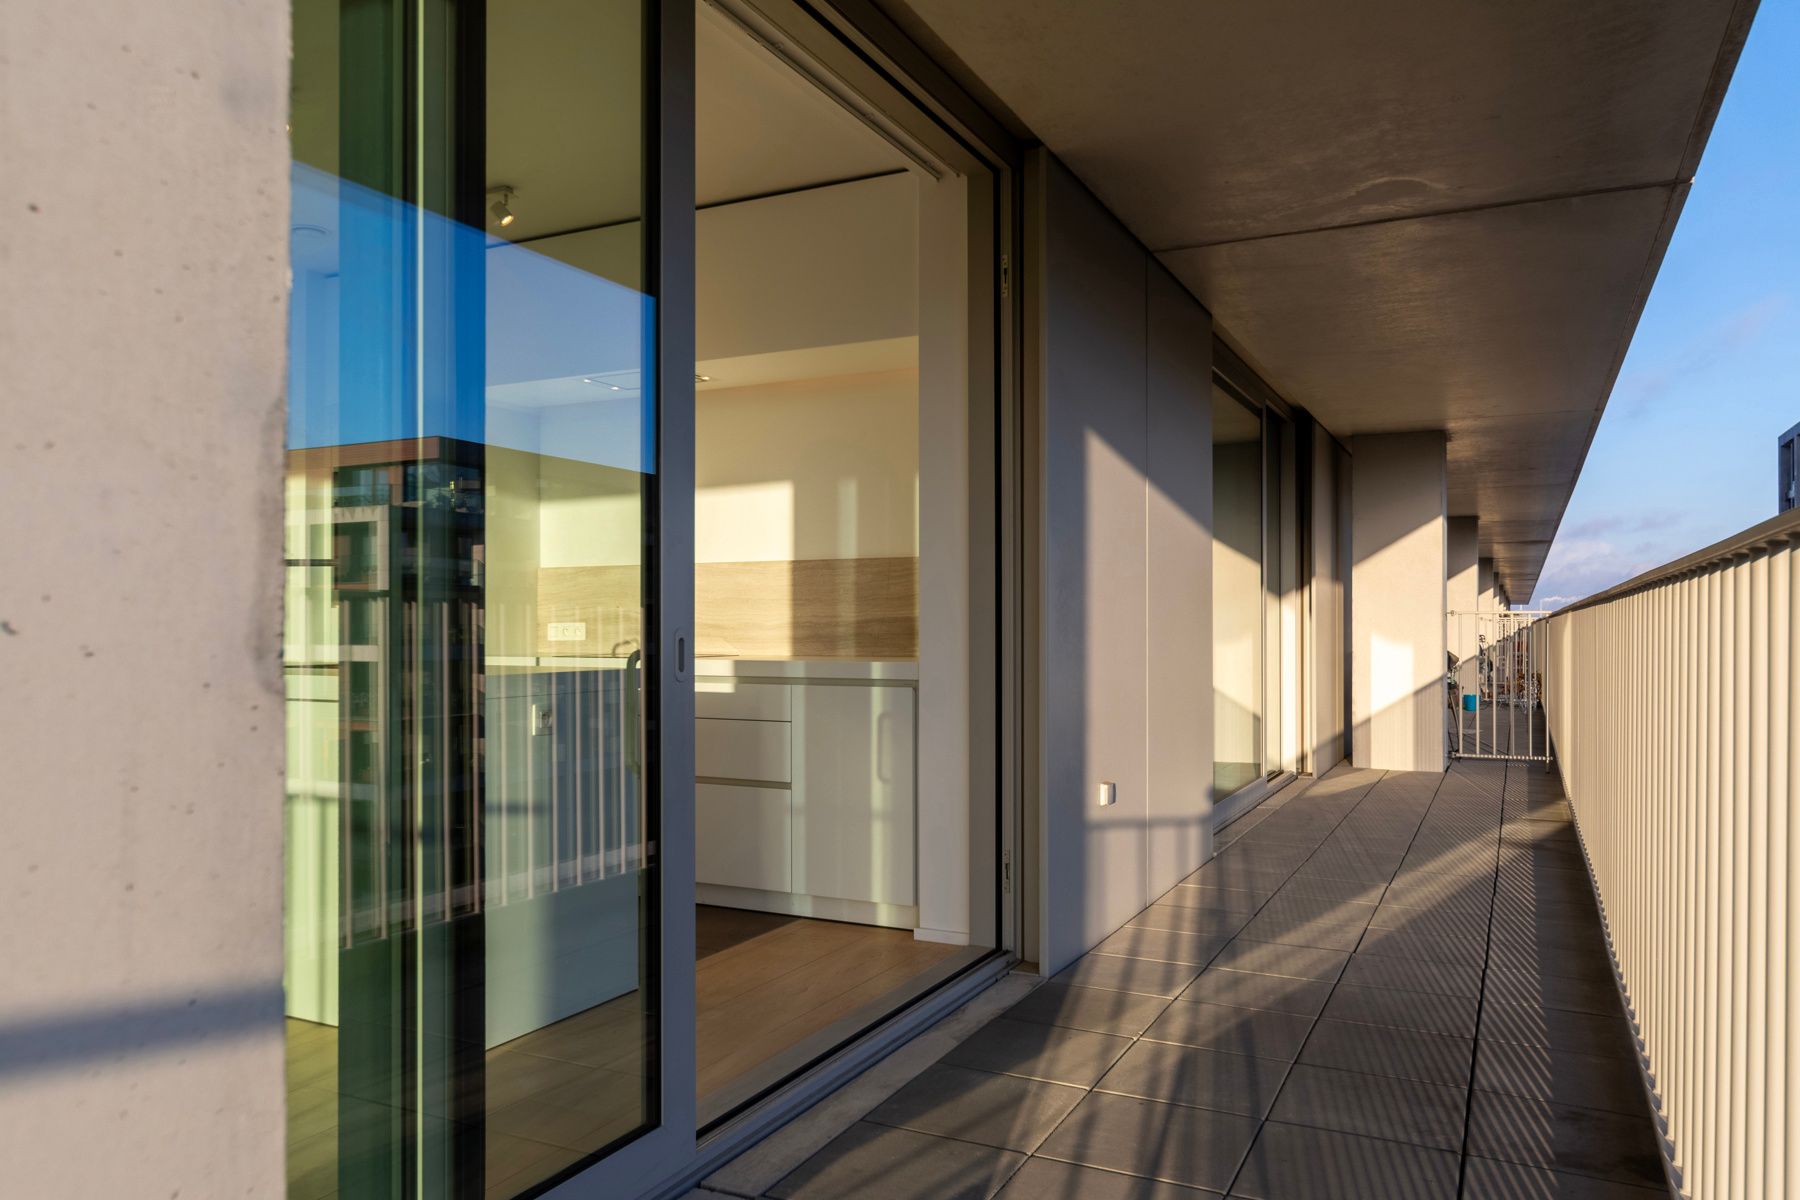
(470,921)
(832,331)
(1239,598)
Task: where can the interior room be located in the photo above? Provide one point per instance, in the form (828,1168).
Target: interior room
(831,857)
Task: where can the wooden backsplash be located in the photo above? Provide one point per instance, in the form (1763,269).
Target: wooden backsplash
(813,608)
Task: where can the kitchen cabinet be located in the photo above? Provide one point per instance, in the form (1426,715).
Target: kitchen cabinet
(853,796)
(806,799)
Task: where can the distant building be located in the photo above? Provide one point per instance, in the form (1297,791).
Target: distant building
(1785,447)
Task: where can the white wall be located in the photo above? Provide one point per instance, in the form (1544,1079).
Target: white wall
(1123,357)
(812,468)
(141,383)
(1397,641)
(1487,589)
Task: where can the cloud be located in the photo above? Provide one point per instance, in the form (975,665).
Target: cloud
(1731,334)
(1579,566)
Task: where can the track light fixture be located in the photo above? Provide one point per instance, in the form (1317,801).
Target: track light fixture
(501,208)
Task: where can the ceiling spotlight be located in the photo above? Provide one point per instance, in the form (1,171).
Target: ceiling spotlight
(605,383)
(501,208)
(702,378)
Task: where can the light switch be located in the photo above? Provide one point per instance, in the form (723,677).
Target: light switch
(541,720)
(1109,793)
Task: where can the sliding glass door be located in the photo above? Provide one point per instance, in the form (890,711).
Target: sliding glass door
(477,636)
(1256,625)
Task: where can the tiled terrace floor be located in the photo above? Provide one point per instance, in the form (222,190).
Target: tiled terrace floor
(1391,986)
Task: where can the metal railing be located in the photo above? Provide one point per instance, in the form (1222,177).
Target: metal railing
(1496,685)
(1671,700)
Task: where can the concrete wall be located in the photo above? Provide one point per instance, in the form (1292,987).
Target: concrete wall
(1487,595)
(1461,583)
(141,376)
(1397,636)
(1123,364)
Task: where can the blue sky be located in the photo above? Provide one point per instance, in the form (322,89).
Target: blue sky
(1685,455)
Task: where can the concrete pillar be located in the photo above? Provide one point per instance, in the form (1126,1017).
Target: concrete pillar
(1487,593)
(1398,580)
(144,347)
(1461,587)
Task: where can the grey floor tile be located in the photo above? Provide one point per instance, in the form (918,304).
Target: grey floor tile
(1004,1111)
(1485,1179)
(1581,1141)
(1413,975)
(1146,976)
(1245,989)
(1255,1032)
(1324,887)
(1325,931)
(1452,1016)
(1401,1053)
(1277,958)
(1291,1162)
(1048,1179)
(1598,996)
(1194,1146)
(1395,943)
(1424,1114)
(1583,1033)
(876,1162)
(1464,895)
(1206,921)
(1096,1009)
(1170,945)
(1565,1077)
(1433,922)
(1197,1076)
(1237,900)
(1037,1051)
(1590,965)
(1226,874)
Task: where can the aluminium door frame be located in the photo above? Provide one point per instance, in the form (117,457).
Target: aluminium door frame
(644,1163)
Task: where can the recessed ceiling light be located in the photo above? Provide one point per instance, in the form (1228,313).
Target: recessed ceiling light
(605,383)
(702,378)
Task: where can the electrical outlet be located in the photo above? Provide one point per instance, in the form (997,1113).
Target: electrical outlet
(568,631)
(542,718)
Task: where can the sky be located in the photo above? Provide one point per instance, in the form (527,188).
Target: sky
(1685,453)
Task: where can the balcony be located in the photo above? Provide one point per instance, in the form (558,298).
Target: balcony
(1390,983)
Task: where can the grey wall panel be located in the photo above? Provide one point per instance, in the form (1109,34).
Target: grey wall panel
(1178,621)
(1124,365)
(1095,438)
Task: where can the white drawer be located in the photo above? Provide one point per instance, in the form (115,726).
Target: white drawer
(743,837)
(743,701)
(759,750)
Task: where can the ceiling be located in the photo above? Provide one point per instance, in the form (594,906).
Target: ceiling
(1406,216)
(564,129)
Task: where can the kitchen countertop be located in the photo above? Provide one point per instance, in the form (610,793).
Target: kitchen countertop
(806,668)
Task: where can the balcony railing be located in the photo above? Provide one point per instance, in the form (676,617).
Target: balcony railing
(1671,702)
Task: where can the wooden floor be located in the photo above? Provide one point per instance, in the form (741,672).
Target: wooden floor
(765,984)
(770,991)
